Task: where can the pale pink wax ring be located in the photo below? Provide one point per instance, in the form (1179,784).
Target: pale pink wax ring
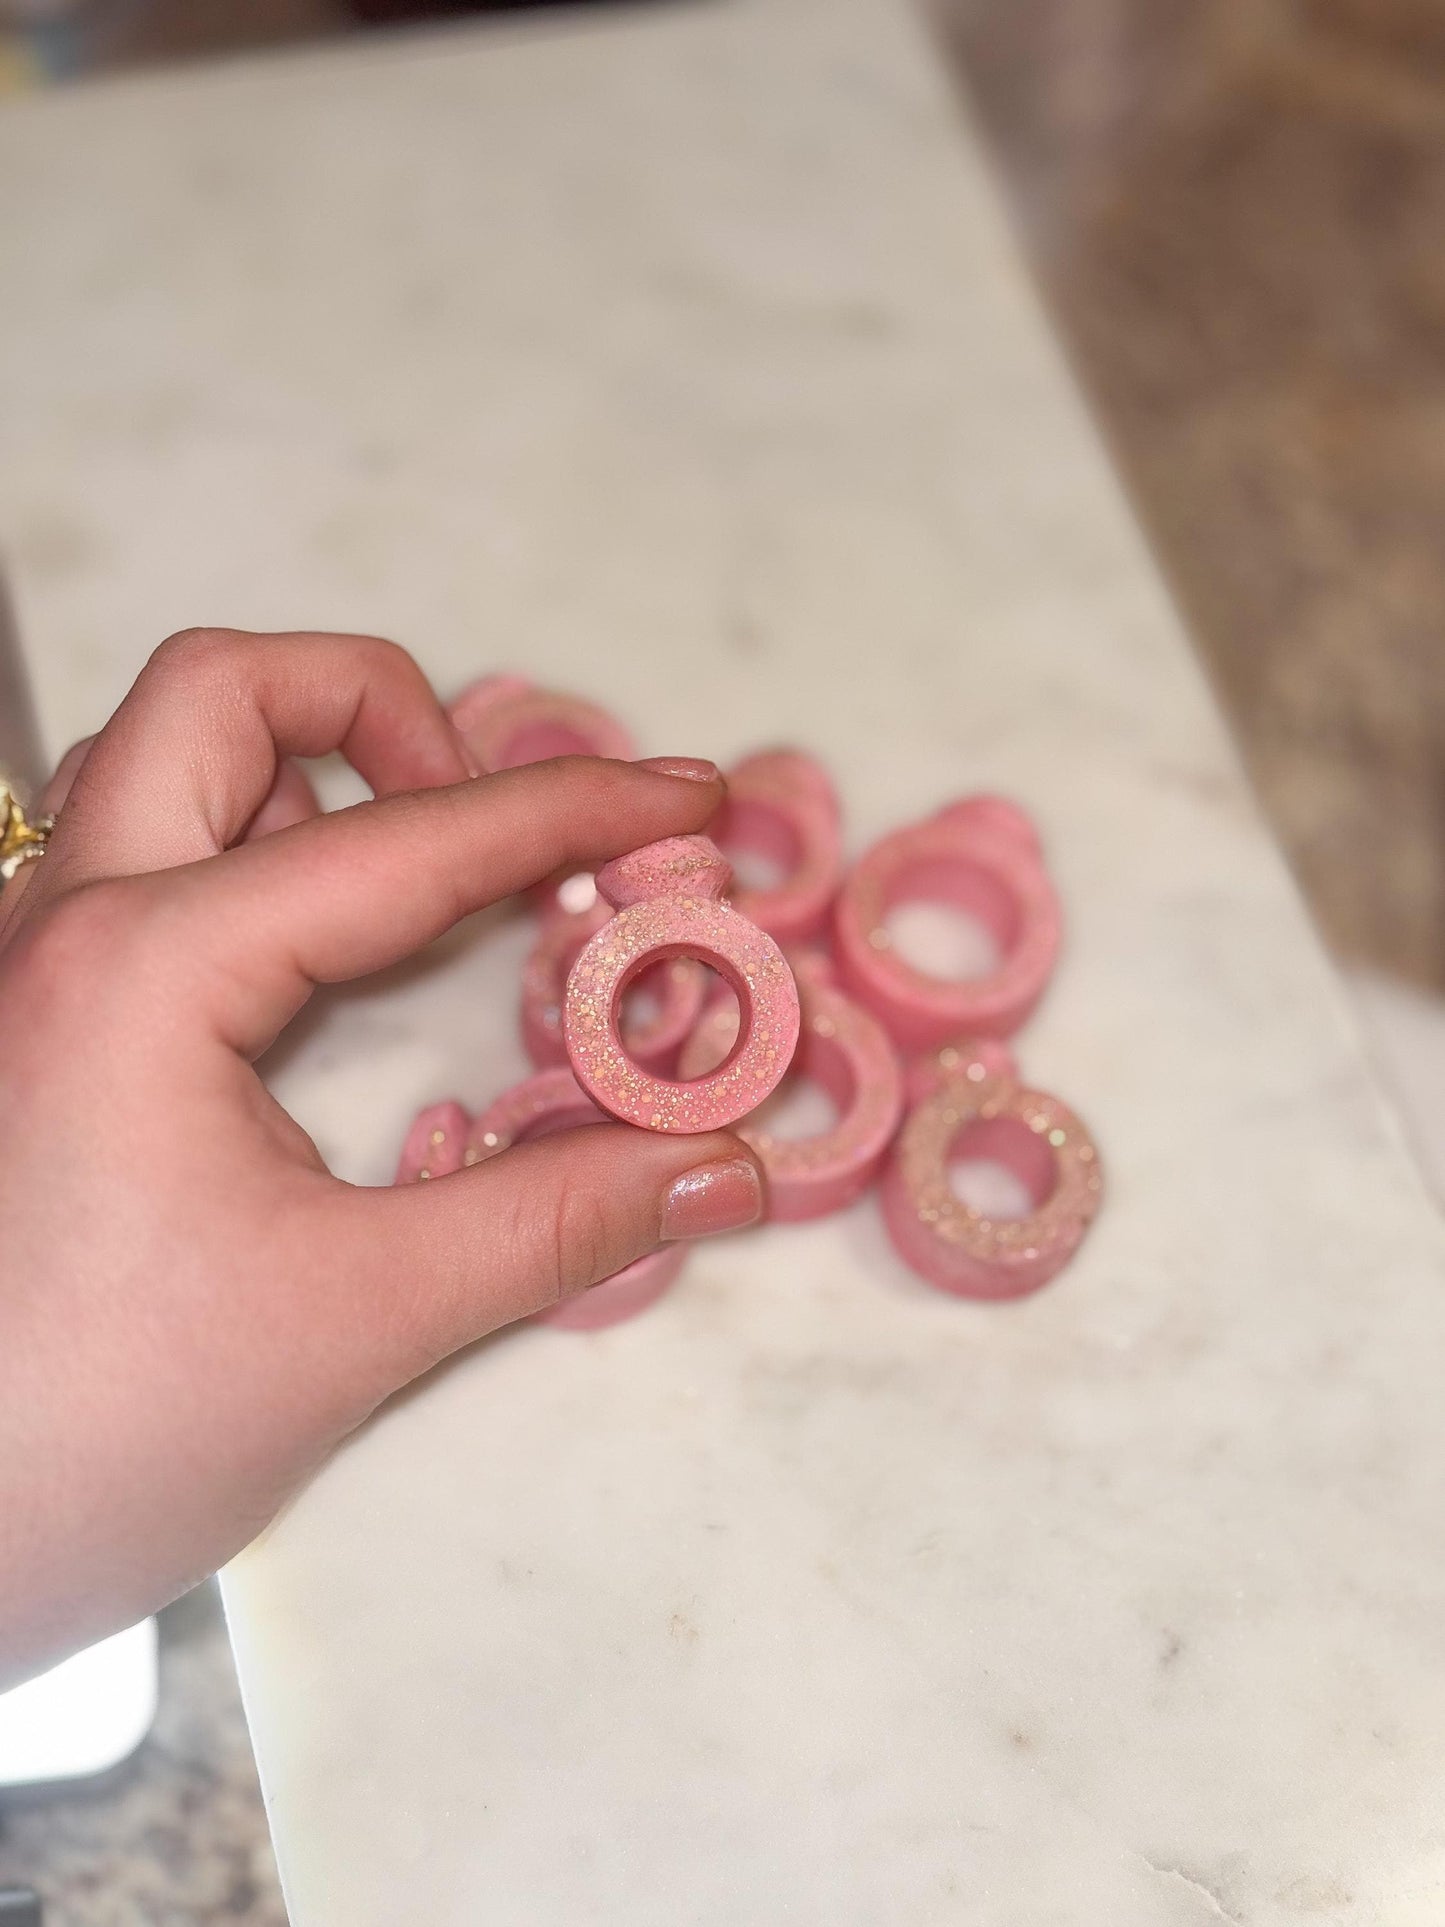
(551,1101)
(506,721)
(980,855)
(923,1075)
(677,989)
(668,900)
(976,1106)
(846,1051)
(435,1145)
(781,805)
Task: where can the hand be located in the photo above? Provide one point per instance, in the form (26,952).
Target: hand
(193,1310)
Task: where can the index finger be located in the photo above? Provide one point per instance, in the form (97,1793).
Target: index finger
(255,930)
(192,753)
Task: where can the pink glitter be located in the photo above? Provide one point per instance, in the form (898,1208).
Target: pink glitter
(435,1144)
(970,1093)
(668,905)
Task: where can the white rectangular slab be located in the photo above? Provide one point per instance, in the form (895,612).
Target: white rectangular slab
(686,360)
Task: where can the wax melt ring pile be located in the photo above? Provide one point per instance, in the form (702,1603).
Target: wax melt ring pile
(912,1062)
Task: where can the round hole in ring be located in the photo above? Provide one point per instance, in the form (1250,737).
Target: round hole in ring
(643,997)
(760,843)
(953,921)
(1000,1168)
(799,1109)
(812,1099)
(639,1003)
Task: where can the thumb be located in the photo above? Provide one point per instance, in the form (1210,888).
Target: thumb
(442,1263)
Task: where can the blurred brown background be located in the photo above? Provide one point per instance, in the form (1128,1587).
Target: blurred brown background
(1237,211)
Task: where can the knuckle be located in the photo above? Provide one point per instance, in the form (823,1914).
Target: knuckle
(586,1238)
(563,1235)
(92,918)
(387,656)
(188,646)
(199,657)
(85,934)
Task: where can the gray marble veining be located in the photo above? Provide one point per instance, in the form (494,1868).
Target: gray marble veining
(688,361)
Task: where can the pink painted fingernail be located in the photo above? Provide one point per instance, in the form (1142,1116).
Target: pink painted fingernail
(692,769)
(723,1196)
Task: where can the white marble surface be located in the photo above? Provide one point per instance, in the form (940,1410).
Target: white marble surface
(686,359)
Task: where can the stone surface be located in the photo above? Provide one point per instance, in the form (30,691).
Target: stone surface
(174,1836)
(688,361)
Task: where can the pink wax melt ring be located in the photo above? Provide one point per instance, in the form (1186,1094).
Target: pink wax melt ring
(435,1145)
(781,805)
(506,721)
(668,899)
(975,1057)
(976,1105)
(980,855)
(551,1101)
(851,1055)
(676,989)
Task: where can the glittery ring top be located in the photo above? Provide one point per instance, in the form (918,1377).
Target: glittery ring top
(668,898)
(970,1101)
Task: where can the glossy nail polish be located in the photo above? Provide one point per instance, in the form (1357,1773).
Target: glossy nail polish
(722,1196)
(693,769)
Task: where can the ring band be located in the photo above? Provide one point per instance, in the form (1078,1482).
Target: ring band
(21,840)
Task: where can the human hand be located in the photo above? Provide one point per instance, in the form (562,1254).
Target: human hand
(193,1310)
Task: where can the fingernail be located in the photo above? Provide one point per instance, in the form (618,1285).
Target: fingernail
(722,1196)
(692,769)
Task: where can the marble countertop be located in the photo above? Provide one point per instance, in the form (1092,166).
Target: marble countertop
(686,359)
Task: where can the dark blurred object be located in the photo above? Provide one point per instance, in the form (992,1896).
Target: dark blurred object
(1236,207)
(19,1907)
(61,38)
(386,11)
(390,12)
